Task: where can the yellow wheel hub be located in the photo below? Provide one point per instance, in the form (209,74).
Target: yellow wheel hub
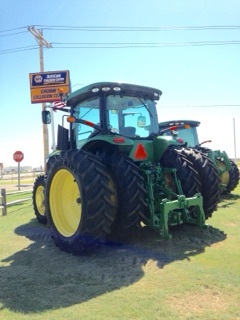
(39,197)
(65,203)
(224,176)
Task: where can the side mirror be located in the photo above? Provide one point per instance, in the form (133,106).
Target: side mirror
(141,122)
(46,117)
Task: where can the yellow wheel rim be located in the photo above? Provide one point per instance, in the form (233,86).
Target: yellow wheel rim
(65,203)
(224,176)
(39,198)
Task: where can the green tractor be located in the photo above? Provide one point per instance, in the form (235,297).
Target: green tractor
(227,170)
(113,172)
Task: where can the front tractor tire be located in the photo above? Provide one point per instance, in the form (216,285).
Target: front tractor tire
(211,183)
(188,177)
(38,197)
(81,201)
(233,177)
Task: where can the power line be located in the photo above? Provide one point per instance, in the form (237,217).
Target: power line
(122,45)
(127,29)
(202,106)
(144,43)
(124,28)
(8,30)
(12,34)
(25,47)
(140,44)
(13,50)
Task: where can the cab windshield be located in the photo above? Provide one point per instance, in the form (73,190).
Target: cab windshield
(189,135)
(131,116)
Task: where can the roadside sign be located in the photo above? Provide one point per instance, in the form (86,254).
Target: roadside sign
(45,86)
(18,156)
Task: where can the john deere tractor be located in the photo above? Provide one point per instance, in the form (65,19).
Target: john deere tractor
(112,171)
(227,170)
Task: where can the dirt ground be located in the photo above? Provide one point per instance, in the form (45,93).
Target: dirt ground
(14,187)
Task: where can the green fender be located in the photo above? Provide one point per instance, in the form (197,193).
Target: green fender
(138,149)
(161,144)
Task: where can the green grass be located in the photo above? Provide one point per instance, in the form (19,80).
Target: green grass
(196,275)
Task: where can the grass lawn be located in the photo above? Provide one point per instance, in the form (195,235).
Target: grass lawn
(196,275)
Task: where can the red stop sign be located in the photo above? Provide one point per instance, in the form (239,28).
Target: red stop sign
(18,156)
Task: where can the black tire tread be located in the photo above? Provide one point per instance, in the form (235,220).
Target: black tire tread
(131,194)
(233,177)
(98,210)
(39,182)
(189,178)
(211,183)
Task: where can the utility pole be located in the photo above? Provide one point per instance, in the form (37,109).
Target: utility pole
(234,140)
(38,35)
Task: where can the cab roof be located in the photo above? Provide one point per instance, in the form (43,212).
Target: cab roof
(166,124)
(112,88)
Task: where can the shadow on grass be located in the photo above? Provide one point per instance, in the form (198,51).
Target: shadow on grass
(41,277)
(228,199)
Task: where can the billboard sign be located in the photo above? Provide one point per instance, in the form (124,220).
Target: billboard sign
(45,86)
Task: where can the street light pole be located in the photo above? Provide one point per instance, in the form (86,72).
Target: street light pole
(38,35)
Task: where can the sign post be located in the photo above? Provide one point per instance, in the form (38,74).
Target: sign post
(18,157)
(1,169)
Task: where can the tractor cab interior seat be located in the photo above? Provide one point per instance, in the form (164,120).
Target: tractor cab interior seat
(128,132)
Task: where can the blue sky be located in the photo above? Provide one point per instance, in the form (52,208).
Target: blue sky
(199,82)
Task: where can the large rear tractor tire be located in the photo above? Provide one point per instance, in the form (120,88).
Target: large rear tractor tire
(38,197)
(131,194)
(211,183)
(81,201)
(233,177)
(188,177)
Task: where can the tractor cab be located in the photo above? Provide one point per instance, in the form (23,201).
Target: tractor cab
(114,108)
(185,129)
(104,109)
